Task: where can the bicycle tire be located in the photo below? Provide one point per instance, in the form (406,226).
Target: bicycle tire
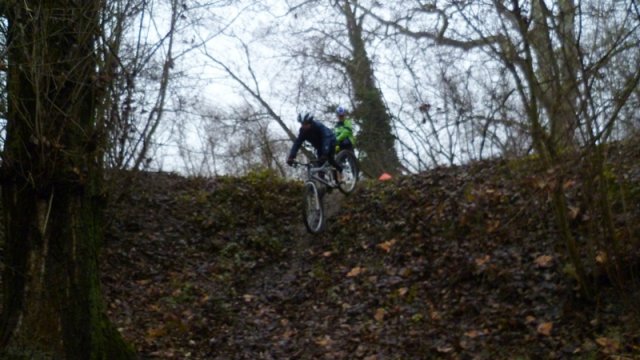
(312,208)
(349,164)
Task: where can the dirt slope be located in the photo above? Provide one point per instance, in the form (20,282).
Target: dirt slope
(460,262)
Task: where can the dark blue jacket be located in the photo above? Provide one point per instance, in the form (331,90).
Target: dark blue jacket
(319,136)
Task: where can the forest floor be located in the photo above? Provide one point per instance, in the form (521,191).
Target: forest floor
(456,263)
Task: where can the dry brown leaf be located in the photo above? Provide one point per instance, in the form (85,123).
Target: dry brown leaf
(405,272)
(156,332)
(324,341)
(403,291)
(444,349)
(544,261)
(568,184)
(609,345)
(288,334)
(493,225)
(356,271)
(545,328)
(483,260)
(573,212)
(379,315)
(601,257)
(541,183)
(387,245)
(475,333)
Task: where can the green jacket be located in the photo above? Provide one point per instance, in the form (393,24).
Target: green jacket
(344,130)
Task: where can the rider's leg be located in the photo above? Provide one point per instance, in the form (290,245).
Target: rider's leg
(346,145)
(334,163)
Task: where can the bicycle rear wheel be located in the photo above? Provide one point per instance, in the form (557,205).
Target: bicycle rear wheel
(312,209)
(349,164)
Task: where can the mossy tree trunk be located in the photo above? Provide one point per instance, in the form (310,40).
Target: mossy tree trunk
(51,187)
(376,140)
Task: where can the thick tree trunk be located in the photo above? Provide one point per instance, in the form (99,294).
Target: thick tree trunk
(376,140)
(51,189)
(557,68)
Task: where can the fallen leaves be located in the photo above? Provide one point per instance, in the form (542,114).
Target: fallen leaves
(493,225)
(379,314)
(482,260)
(324,341)
(601,257)
(156,332)
(544,261)
(608,345)
(387,245)
(419,281)
(356,271)
(545,328)
(472,334)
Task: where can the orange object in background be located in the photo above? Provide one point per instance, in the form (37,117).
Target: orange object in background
(384,177)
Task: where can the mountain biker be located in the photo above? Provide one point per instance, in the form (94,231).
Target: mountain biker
(321,138)
(344,130)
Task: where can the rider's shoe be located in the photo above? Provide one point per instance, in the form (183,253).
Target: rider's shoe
(339,177)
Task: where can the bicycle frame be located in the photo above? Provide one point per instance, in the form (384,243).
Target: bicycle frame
(314,173)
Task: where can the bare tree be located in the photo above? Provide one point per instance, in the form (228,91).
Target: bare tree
(561,62)
(143,45)
(340,41)
(550,54)
(235,143)
(251,124)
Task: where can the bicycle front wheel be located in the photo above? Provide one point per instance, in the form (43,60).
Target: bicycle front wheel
(312,210)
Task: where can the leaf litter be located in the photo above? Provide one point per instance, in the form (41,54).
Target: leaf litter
(457,262)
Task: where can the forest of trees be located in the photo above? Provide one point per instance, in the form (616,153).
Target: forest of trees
(94,85)
(185,82)
(549,70)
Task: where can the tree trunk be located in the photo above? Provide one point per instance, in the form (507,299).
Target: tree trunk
(557,68)
(376,140)
(51,188)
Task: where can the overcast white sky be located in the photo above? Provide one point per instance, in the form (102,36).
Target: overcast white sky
(269,33)
(266,34)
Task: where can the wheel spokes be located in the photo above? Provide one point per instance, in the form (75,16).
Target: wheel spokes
(313,210)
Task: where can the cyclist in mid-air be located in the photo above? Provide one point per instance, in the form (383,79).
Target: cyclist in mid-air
(344,130)
(321,138)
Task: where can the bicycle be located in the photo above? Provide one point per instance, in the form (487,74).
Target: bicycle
(319,178)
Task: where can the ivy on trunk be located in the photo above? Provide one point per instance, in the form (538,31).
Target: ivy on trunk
(376,140)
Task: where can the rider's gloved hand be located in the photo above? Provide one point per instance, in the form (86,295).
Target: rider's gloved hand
(290,161)
(323,159)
